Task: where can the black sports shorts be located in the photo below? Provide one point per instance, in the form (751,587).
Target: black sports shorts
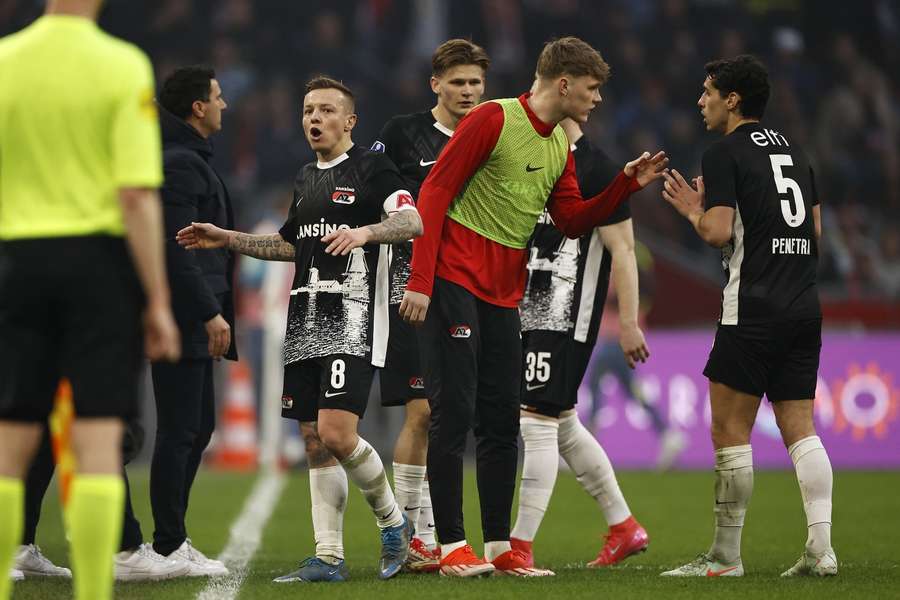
(338,381)
(401,378)
(69,307)
(554,365)
(780,360)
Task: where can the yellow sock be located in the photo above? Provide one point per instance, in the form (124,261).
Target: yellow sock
(12,506)
(94,520)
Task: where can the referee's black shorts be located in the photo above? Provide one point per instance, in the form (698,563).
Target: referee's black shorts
(69,307)
(778,360)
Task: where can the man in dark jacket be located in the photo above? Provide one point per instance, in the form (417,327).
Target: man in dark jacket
(191,111)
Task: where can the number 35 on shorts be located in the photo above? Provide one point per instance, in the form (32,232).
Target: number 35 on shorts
(537,367)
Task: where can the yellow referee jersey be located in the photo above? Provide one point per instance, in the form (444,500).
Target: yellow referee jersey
(77,122)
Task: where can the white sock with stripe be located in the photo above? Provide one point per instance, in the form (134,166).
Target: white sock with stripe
(365,469)
(408,489)
(734,486)
(425,524)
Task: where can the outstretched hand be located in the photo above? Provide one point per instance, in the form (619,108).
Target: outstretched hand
(202,236)
(680,194)
(646,168)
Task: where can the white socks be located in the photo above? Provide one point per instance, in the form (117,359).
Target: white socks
(328,492)
(538,474)
(408,481)
(447,549)
(494,549)
(815,479)
(587,459)
(734,486)
(365,469)
(425,524)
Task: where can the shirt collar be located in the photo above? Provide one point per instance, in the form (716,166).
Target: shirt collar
(543,129)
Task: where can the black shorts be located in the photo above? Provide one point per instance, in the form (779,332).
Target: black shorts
(401,378)
(554,365)
(780,360)
(69,307)
(338,381)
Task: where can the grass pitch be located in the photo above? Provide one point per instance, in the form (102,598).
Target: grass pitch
(676,509)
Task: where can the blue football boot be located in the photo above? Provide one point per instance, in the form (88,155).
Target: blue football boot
(394,548)
(315,569)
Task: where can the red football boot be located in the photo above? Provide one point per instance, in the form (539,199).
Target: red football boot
(623,540)
(463,562)
(515,563)
(420,559)
(523,547)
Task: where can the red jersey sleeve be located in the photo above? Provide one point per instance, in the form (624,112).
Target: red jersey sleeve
(469,147)
(575,216)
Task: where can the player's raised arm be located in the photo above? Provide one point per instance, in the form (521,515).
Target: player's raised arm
(575,216)
(714,226)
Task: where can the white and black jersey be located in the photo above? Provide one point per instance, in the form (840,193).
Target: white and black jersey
(771,260)
(568,279)
(339,303)
(413,142)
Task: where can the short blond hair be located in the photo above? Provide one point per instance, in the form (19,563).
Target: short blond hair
(323,82)
(571,56)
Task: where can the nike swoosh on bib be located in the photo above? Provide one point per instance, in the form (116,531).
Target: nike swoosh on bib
(422,162)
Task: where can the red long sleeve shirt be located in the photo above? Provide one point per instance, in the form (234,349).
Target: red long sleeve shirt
(491,271)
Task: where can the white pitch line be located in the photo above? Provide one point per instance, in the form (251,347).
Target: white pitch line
(246,535)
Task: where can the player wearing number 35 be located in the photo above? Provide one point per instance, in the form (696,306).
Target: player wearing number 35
(762,210)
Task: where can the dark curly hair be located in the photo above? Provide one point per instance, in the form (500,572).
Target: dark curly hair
(746,76)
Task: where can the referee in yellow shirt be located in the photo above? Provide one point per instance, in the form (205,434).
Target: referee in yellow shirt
(80,236)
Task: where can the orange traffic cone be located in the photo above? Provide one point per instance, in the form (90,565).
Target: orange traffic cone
(236,447)
(61,438)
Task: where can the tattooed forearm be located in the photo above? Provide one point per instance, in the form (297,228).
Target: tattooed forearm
(270,246)
(399,227)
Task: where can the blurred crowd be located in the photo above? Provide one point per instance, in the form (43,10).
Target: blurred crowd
(833,67)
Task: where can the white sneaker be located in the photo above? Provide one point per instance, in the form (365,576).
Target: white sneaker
(144,564)
(201,566)
(16,575)
(823,565)
(671,445)
(706,566)
(32,563)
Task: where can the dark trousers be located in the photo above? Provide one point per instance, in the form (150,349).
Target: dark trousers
(472,354)
(185,412)
(41,472)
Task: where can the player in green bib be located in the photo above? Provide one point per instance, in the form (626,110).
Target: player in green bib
(506,161)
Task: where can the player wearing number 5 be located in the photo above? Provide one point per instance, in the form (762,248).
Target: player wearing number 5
(762,210)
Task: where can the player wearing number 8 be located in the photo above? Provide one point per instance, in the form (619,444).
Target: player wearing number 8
(348,205)
(762,209)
